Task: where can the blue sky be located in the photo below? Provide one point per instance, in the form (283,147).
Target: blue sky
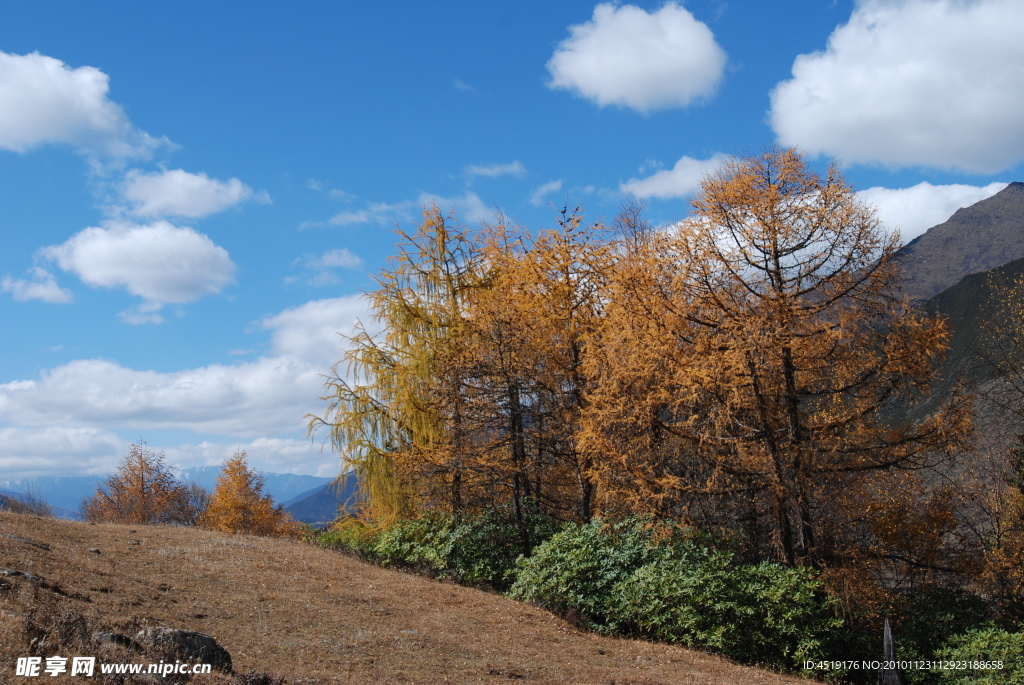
(193,195)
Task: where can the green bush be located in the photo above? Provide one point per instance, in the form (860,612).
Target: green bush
(350,535)
(983,646)
(480,550)
(422,544)
(765,614)
(484,549)
(931,615)
(576,570)
(668,583)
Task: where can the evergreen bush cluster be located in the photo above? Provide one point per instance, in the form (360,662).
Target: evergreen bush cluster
(667,583)
(663,581)
(478,550)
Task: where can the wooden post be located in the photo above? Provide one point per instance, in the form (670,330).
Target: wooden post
(889,676)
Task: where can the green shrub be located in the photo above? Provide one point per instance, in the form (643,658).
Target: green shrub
(576,570)
(350,535)
(765,613)
(931,615)
(422,544)
(480,550)
(989,644)
(484,549)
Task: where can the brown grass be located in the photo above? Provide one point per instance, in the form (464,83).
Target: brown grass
(306,614)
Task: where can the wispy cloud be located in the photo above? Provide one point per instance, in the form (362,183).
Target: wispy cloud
(540,195)
(493,170)
(42,286)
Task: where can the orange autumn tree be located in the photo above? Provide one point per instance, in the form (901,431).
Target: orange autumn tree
(529,330)
(748,359)
(238,504)
(143,490)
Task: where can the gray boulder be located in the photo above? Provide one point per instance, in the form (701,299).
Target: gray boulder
(187,645)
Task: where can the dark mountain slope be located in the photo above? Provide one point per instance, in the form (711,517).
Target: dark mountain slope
(976,238)
(320,506)
(971,308)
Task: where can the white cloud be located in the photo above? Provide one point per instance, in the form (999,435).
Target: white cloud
(468,208)
(626,56)
(64,420)
(179,193)
(159,262)
(275,455)
(46,101)
(50,450)
(341,258)
(914,210)
(43,286)
(515,168)
(310,331)
(375,213)
(933,83)
(679,181)
(540,194)
(268,396)
(147,312)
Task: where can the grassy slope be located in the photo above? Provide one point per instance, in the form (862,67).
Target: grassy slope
(316,616)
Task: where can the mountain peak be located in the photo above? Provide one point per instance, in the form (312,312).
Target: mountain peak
(977,238)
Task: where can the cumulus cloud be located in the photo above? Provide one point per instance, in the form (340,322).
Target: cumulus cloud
(43,286)
(914,210)
(912,83)
(177,192)
(275,455)
(492,170)
(269,395)
(646,61)
(46,101)
(266,397)
(311,331)
(49,450)
(540,194)
(679,181)
(159,262)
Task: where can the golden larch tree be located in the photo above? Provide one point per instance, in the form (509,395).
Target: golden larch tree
(750,355)
(143,490)
(238,504)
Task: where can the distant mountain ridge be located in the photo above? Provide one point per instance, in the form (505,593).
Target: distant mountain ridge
(65,493)
(321,505)
(983,236)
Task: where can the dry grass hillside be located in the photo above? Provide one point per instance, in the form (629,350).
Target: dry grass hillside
(303,614)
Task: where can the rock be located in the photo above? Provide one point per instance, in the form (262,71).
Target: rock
(187,645)
(40,545)
(104,637)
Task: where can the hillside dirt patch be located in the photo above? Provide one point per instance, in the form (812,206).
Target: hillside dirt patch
(310,615)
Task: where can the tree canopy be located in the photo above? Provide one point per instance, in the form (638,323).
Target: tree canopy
(735,370)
